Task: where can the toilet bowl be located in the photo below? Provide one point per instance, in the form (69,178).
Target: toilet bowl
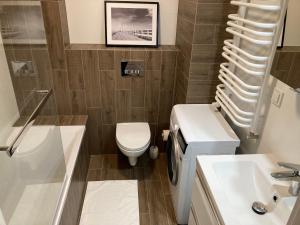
(133,139)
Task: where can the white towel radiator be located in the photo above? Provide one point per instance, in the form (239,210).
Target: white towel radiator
(256,30)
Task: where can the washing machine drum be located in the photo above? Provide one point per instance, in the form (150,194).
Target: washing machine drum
(173,157)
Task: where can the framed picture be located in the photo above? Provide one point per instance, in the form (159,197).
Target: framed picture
(133,24)
(15,17)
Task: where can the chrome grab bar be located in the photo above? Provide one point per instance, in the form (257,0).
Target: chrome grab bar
(14,145)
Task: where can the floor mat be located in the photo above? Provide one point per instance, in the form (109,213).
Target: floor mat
(111,203)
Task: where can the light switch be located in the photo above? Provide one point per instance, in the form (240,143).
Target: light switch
(277,97)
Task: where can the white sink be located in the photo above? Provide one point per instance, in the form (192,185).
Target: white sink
(236,181)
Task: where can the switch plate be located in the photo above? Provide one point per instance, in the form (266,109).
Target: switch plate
(277,97)
(132,68)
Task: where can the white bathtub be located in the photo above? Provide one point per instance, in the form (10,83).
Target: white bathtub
(71,139)
(21,203)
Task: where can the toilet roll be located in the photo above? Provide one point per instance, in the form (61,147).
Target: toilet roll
(165,134)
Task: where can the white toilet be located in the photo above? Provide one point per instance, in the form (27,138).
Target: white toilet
(133,139)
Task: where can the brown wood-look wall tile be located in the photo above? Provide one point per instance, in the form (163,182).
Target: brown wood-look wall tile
(64,22)
(169,59)
(206,54)
(167,78)
(106,59)
(184,45)
(91,71)
(166,94)
(75,69)
(166,104)
(144,219)
(93,97)
(91,76)
(153,60)
(186,28)
(294,74)
(213,13)
(53,27)
(94,175)
(138,92)
(152,95)
(94,138)
(275,62)
(108,94)
(221,34)
(96,162)
(282,75)
(109,139)
(153,129)
(200,71)
(187,10)
(72,120)
(204,34)
(201,88)
(123,106)
(78,102)
(137,114)
(137,54)
(183,63)
(200,99)
(62,92)
(42,62)
(285,60)
(180,88)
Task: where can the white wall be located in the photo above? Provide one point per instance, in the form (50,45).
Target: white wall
(86,21)
(281,134)
(292,31)
(8,106)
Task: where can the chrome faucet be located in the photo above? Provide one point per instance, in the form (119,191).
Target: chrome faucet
(293,175)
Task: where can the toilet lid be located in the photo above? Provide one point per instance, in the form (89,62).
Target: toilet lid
(133,136)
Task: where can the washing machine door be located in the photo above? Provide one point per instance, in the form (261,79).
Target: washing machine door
(173,157)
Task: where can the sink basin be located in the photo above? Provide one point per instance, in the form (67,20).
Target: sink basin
(235,182)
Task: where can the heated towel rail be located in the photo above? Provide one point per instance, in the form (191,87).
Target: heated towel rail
(256,30)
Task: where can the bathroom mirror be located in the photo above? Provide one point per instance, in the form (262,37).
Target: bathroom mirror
(286,63)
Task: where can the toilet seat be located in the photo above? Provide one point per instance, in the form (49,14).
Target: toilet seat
(133,137)
(132,150)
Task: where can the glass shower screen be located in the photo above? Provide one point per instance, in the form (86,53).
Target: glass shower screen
(32,164)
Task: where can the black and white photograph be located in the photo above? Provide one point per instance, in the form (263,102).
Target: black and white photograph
(131,23)
(15,18)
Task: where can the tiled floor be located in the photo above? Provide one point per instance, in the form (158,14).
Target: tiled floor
(155,204)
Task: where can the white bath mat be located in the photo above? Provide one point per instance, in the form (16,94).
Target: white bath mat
(111,203)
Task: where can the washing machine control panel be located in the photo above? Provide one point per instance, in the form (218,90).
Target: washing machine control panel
(181,141)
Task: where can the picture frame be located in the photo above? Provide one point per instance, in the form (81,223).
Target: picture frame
(13,27)
(131,24)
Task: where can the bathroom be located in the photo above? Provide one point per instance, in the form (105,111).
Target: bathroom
(153,112)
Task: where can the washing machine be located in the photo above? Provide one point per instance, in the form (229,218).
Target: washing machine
(195,129)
